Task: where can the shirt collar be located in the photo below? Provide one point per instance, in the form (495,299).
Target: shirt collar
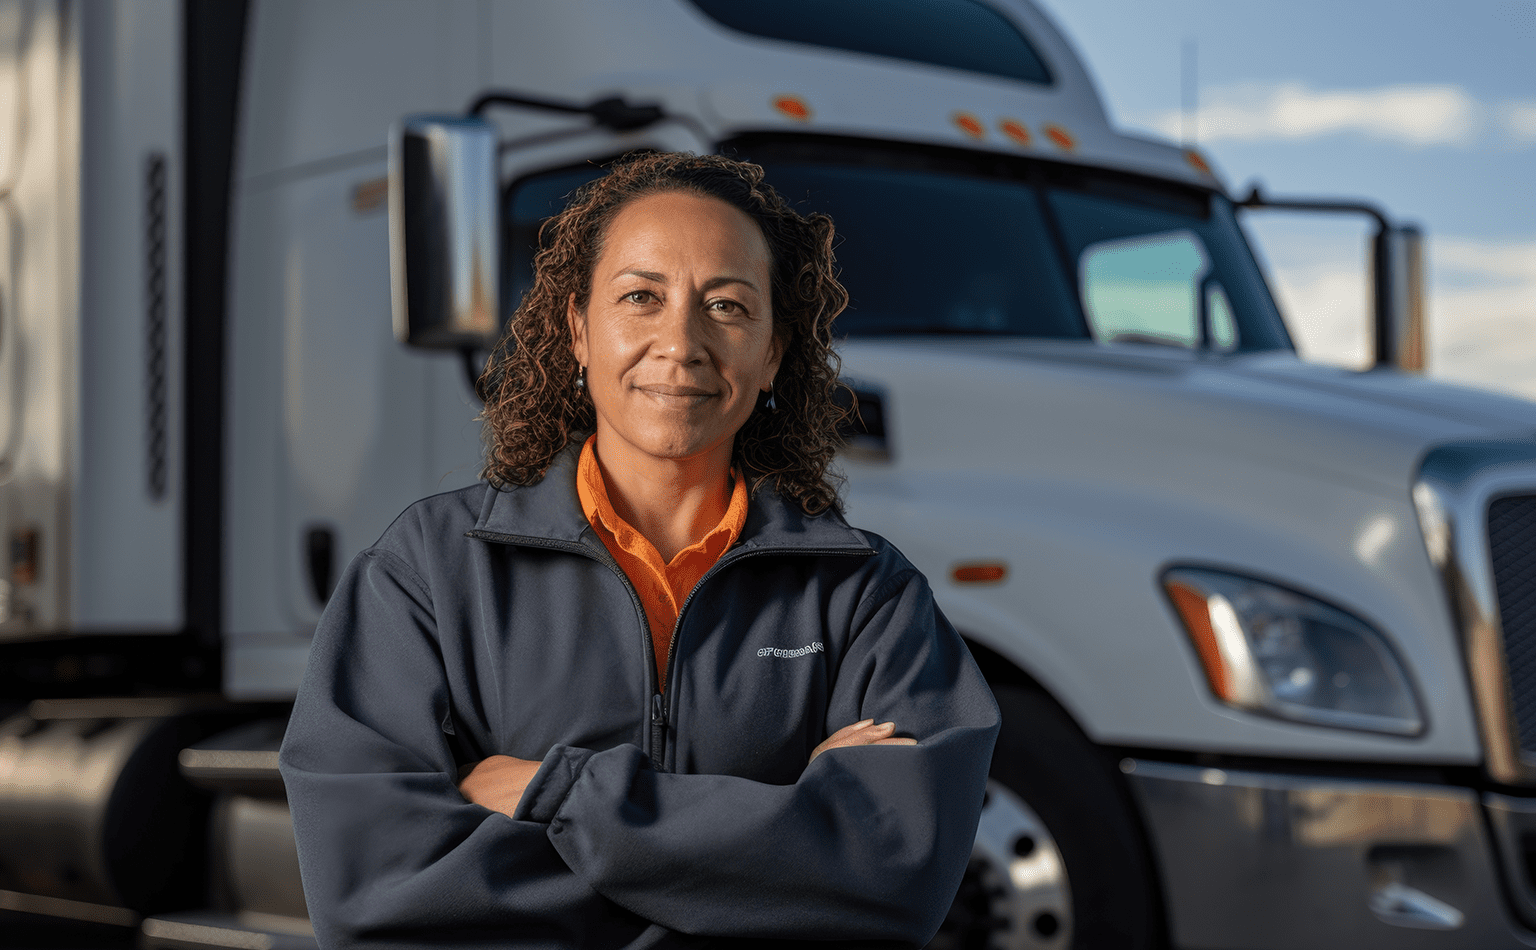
(592,490)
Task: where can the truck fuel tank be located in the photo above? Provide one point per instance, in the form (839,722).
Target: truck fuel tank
(92,809)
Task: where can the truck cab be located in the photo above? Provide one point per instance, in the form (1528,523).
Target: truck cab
(1257,626)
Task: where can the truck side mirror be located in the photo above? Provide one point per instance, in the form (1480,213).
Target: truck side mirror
(1397,278)
(1397,265)
(444,256)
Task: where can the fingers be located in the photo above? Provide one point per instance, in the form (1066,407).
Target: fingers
(849,730)
(864,732)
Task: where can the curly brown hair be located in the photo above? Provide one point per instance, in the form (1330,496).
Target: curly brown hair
(533,408)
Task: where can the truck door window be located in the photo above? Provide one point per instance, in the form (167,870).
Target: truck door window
(1150,289)
(1145,269)
(1144,289)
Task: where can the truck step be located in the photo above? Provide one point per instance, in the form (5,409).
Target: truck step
(202,930)
(242,760)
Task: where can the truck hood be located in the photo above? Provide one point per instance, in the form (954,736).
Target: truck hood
(1090,469)
(1371,426)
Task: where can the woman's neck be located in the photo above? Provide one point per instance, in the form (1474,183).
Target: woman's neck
(672,502)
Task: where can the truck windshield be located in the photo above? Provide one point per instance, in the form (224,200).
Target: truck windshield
(931,245)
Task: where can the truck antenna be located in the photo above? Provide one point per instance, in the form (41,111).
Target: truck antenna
(1190,98)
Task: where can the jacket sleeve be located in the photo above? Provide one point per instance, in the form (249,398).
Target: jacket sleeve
(869,843)
(389,851)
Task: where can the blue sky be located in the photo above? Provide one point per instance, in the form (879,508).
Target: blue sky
(1428,108)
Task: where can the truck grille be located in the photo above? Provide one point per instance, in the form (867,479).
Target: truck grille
(1512,544)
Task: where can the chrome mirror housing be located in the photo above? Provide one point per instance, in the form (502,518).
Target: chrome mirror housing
(444,254)
(1397,264)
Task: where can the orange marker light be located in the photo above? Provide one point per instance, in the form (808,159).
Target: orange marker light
(794,107)
(970,125)
(981,572)
(24,545)
(1195,612)
(1015,130)
(370,195)
(1196,161)
(1061,137)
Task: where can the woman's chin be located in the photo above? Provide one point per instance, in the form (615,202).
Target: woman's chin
(675,445)
(669,435)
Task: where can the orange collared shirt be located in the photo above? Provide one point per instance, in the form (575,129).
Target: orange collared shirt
(662,587)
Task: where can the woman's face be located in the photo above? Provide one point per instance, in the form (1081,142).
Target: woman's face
(677,338)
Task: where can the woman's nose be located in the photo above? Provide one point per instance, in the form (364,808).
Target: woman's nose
(680,333)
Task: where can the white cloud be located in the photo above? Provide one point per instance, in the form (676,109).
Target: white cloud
(1519,121)
(1325,307)
(1416,115)
(1481,314)
(1505,263)
(1482,324)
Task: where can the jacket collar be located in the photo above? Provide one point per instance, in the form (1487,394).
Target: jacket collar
(550,511)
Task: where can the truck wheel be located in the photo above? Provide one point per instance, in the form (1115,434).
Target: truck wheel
(1059,860)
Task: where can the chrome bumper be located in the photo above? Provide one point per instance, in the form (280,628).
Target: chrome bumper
(1255,860)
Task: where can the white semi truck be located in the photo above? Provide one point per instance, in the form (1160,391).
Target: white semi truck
(1263,632)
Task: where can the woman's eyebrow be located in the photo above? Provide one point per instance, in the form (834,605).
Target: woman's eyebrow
(724,279)
(710,284)
(644,275)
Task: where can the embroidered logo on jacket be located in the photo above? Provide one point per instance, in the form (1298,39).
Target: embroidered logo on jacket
(815,647)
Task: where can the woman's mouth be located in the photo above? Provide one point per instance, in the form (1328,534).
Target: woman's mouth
(673,394)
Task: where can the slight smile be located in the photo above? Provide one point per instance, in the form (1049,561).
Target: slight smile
(672,395)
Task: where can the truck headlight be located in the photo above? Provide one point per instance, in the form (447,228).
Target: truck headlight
(1273,651)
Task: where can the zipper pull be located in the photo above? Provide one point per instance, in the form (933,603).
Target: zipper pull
(658,732)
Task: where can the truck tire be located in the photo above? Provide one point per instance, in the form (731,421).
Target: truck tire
(1060,861)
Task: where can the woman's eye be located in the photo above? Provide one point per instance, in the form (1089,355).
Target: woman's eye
(638,296)
(726,307)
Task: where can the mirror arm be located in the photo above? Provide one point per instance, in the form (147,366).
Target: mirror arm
(1257,200)
(611,113)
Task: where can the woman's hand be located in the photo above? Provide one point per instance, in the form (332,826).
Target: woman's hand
(498,782)
(861,733)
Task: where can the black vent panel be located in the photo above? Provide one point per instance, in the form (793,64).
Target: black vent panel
(155,373)
(1512,543)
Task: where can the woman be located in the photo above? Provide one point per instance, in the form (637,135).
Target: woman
(646,687)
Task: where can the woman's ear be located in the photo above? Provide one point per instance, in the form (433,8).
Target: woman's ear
(777,344)
(578,324)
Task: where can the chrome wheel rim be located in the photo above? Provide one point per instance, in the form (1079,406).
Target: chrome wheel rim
(1022,874)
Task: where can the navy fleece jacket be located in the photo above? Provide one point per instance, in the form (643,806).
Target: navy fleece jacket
(488,622)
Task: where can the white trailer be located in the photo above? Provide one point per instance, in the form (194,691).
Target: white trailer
(1261,630)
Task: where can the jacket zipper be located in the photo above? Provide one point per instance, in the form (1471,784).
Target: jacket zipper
(659,702)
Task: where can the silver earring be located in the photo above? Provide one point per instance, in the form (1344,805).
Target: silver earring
(772,403)
(581,379)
